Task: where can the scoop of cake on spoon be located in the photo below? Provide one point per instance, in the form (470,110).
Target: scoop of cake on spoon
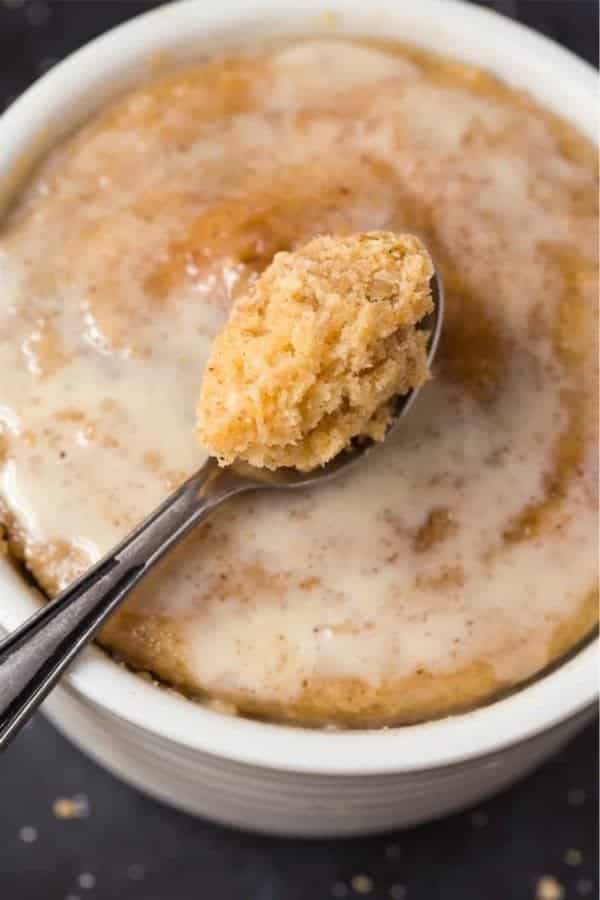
(316,364)
(313,356)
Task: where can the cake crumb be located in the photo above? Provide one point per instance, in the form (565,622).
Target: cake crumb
(315,353)
(549,888)
(584,887)
(28,834)
(362,884)
(76,807)
(86,881)
(573,857)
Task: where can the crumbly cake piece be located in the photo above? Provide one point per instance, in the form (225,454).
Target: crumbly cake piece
(313,355)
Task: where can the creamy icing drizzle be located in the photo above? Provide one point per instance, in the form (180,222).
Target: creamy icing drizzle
(117,268)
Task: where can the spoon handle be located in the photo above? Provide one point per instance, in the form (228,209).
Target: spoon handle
(34,656)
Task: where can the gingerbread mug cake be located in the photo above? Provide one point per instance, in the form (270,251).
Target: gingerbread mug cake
(461,559)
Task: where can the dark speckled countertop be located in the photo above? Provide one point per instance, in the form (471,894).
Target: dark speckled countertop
(122,846)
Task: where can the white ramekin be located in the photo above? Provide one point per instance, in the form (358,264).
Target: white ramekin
(267,777)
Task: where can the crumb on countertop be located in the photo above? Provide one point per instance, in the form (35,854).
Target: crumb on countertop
(76,807)
(28,834)
(362,884)
(136,871)
(549,888)
(573,857)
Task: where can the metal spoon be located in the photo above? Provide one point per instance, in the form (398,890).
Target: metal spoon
(33,657)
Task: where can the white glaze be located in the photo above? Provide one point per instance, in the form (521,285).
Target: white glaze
(366,618)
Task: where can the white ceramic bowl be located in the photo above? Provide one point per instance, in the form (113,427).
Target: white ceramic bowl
(268,777)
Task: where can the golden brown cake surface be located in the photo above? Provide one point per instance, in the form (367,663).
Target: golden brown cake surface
(313,355)
(461,558)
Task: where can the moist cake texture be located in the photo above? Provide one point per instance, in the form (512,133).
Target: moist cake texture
(315,353)
(461,558)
